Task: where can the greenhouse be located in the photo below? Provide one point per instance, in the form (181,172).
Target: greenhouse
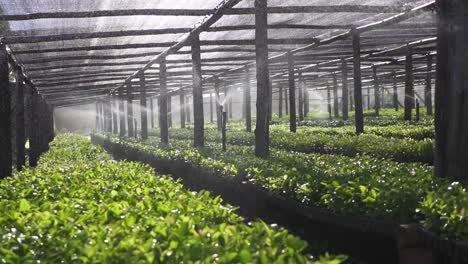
(234,131)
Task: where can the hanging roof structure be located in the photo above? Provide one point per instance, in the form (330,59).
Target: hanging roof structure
(77,51)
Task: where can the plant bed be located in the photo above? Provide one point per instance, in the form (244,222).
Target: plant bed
(364,224)
(80,206)
(361,237)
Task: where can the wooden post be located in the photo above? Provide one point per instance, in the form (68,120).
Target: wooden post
(359,120)
(135,133)
(219,113)
(368,98)
(395,92)
(34,139)
(280,102)
(102,117)
(344,89)
(189,112)
(270,104)
(198,116)
(286,102)
(351,99)
(6,152)
(152,112)
(223,128)
(336,108)
(292,93)
(169,111)
(20,123)
(301,98)
(451,98)
(114,110)
(329,102)
(262,130)
(376,90)
(428,88)
(229,92)
(130,109)
(163,124)
(96,124)
(247,106)
(409,90)
(108,114)
(143,108)
(211,108)
(182,109)
(306,100)
(417,110)
(123,130)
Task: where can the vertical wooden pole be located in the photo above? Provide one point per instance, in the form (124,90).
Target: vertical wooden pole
(344,90)
(114,110)
(280,102)
(301,98)
(182,109)
(96,124)
(336,107)
(218,104)
(211,108)
(189,112)
(376,91)
(20,124)
(368,98)
(163,124)
(270,104)
(262,130)
(357,83)
(152,112)
(395,92)
(130,109)
(409,90)
(247,106)
(286,102)
(292,93)
(6,152)
(34,139)
(351,99)
(417,110)
(108,114)
(198,116)
(451,98)
(102,118)
(123,130)
(143,108)
(169,111)
(306,100)
(229,92)
(329,101)
(428,88)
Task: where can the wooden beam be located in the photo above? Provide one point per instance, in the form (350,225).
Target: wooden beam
(163,122)
(6,153)
(205,12)
(123,130)
(336,110)
(451,92)
(76,36)
(143,108)
(409,85)
(344,90)
(130,109)
(292,94)
(376,91)
(359,119)
(301,99)
(428,87)
(20,122)
(262,132)
(199,122)
(247,103)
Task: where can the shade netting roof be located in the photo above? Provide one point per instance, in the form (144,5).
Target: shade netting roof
(64,63)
